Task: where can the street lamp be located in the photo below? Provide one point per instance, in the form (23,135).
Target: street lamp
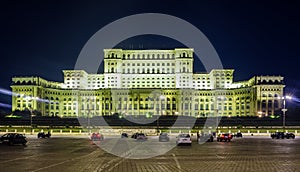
(161,97)
(260,114)
(31,120)
(284,108)
(221,98)
(120,117)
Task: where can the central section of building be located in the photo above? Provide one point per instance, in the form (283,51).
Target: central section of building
(149,82)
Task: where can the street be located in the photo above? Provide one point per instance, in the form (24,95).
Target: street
(258,153)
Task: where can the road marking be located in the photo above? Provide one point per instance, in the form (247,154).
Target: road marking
(32,156)
(53,165)
(176,161)
(122,158)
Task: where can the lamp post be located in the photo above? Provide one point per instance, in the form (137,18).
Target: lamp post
(89,109)
(31,121)
(260,113)
(221,98)
(161,98)
(120,117)
(284,108)
(89,112)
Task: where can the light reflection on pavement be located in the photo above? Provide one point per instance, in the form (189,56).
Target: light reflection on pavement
(80,154)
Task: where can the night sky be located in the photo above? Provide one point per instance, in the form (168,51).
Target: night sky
(41,38)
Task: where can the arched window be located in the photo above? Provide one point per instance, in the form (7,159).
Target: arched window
(263,103)
(270,104)
(112,70)
(276,104)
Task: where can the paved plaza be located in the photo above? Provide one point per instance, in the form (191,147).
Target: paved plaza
(257,153)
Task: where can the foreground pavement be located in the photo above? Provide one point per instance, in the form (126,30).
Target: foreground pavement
(258,154)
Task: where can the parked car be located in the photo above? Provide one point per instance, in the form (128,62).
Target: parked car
(43,135)
(97,137)
(282,135)
(206,138)
(290,135)
(134,135)
(184,139)
(13,138)
(278,135)
(238,134)
(141,137)
(224,137)
(124,135)
(163,137)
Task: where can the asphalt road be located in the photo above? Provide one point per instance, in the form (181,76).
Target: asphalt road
(259,154)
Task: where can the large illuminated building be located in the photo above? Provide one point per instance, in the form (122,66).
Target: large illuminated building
(143,82)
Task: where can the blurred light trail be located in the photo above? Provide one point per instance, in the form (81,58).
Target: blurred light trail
(10,93)
(5,105)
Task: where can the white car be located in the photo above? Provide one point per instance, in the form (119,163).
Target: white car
(184,139)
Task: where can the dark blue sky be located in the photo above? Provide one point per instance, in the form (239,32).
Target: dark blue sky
(42,38)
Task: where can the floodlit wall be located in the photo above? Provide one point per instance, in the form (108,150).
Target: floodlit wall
(142,82)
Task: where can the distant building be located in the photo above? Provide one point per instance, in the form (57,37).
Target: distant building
(142,82)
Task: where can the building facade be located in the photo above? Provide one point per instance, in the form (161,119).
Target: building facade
(143,82)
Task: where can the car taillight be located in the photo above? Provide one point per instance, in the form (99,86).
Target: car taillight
(222,135)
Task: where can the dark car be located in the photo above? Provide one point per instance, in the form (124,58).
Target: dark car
(124,135)
(43,135)
(134,135)
(13,138)
(97,137)
(289,135)
(278,135)
(206,138)
(141,137)
(163,137)
(238,134)
(224,137)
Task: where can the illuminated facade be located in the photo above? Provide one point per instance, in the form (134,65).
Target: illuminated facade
(141,82)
